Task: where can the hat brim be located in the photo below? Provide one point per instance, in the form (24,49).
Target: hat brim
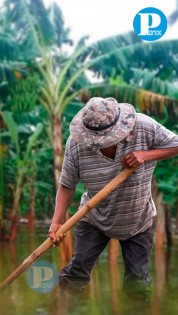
(108,137)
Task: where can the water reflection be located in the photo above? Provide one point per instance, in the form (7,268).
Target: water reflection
(102,296)
(115,286)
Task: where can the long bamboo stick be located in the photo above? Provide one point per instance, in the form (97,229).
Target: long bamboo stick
(121,177)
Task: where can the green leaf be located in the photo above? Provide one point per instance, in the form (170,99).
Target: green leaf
(32,139)
(9,47)
(12,127)
(42,186)
(56,18)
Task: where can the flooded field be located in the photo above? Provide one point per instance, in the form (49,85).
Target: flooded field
(103,295)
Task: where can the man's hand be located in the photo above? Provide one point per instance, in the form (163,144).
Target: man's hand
(134,159)
(52,231)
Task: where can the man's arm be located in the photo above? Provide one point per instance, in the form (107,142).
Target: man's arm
(63,199)
(136,158)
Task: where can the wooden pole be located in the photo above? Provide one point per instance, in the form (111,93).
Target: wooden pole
(121,177)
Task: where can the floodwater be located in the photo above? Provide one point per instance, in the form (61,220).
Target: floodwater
(103,295)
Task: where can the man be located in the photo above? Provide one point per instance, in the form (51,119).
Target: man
(106,137)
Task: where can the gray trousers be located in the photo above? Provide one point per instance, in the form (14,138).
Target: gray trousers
(88,245)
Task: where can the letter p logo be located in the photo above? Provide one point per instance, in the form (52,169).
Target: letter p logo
(150,24)
(148,21)
(42,276)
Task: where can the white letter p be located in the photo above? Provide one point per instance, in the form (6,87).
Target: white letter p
(144,22)
(41,274)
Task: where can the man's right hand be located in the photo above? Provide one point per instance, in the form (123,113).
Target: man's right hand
(52,231)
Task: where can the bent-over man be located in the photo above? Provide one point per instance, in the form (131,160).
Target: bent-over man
(105,137)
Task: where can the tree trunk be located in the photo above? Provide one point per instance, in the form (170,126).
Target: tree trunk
(113,250)
(13,226)
(14,213)
(159,248)
(67,244)
(1,223)
(160,224)
(31,213)
(160,276)
(66,248)
(1,196)
(168,226)
(176,227)
(1,232)
(160,219)
(57,148)
(114,281)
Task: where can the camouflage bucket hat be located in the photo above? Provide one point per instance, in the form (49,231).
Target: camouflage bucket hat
(102,122)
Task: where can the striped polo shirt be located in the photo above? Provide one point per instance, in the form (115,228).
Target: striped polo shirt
(129,209)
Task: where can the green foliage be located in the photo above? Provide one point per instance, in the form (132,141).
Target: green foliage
(70,111)
(24,161)
(12,127)
(9,47)
(33,139)
(56,18)
(11,72)
(151,81)
(23,94)
(134,54)
(11,66)
(22,16)
(166,174)
(34,27)
(144,74)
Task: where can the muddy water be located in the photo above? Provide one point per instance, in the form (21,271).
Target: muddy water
(102,296)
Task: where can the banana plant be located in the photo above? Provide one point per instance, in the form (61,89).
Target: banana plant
(63,74)
(125,65)
(11,66)
(22,161)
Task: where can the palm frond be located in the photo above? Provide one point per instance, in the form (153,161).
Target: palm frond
(56,18)
(31,25)
(43,26)
(144,101)
(159,56)
(9,49)
(110,44)
(149,81)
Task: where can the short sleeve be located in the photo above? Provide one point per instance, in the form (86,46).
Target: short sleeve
(163,137)
(70,168)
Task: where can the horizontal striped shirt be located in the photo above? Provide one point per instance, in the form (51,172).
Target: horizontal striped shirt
(129,209)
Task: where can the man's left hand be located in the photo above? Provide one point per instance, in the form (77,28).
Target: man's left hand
(133,159)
